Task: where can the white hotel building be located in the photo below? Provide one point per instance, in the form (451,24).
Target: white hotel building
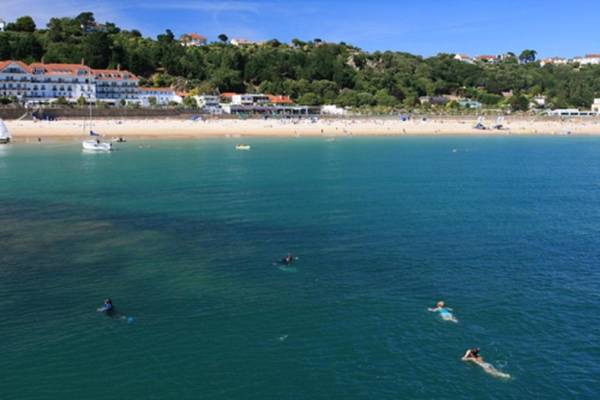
(43,83)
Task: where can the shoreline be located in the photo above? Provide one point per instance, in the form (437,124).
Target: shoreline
(25,131)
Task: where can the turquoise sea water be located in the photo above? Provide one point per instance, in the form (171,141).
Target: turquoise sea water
(183,235)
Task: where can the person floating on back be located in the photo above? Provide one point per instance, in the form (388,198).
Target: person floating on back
(474,356)
(444,312)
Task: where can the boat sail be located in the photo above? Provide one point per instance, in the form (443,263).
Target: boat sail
(4,133)
(96,144)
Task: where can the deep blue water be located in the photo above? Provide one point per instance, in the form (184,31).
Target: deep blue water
(182,235)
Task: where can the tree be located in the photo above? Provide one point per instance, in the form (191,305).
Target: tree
(518,102)
(223,38)
(152,101)
(86,20)
(384,98)
(22,24)
(81,101)
(309,99)
(527,56)
(189,102)
(96,49)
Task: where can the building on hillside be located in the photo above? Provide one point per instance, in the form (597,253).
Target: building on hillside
(488,59)
(250,99)
(45,83)
(554,61)
(226,97)
(40,83)
(588,59)
(116,85)
(538,101)
(161,96)
(192,39)
(464,58)
(596,106)
(2,25)
(208,103)
(263,104)
(243,42)
(15,80)
(71,81)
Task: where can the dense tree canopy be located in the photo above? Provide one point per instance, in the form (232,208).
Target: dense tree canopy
(312,72)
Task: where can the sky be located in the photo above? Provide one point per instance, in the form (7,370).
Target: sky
(425,27)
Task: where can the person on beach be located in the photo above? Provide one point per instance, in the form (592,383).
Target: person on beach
(474,356)
(444,312)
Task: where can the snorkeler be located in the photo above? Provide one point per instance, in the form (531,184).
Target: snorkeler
(444,312)
(474,356)
(107,307)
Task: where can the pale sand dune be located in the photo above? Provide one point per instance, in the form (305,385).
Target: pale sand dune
(173,128)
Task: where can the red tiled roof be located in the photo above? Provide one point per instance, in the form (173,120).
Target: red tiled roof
(592,55)
(154,89)
(193,36)
(61,69)
(110,74)
(280,99)
(4,64)
(228,94)
(486,57)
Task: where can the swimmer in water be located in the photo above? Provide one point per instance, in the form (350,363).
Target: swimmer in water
(107,307)
(287,260)
(444,312)
(474,356)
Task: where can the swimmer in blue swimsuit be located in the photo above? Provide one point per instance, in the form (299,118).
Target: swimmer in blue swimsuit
(107,307)
(445,312)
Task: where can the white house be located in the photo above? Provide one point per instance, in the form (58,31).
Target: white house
(596,106)
(464,58)
(589,59)
(208,103)
(192,39)
(242,42)
(2,25)
(538,101)
(554,61)
(162,96)
(488,59)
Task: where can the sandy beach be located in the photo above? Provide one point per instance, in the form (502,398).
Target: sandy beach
(25,131)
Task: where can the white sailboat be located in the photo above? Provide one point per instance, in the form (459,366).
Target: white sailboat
(95,144)
(4,133)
